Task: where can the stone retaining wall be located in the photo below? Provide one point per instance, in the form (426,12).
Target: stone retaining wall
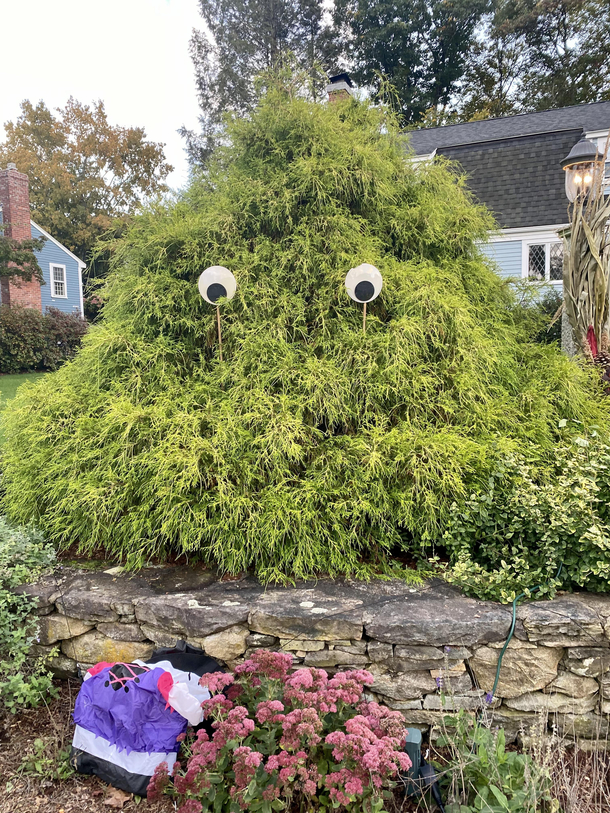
(430,649)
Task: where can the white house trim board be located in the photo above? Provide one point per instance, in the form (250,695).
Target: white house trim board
(527,233)
(81,264)
(80,290)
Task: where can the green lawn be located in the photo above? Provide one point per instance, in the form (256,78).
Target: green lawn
(8,388)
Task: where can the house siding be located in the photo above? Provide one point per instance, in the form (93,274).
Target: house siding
(507,255)
(52,253)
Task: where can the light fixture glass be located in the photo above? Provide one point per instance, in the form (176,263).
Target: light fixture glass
(582,166)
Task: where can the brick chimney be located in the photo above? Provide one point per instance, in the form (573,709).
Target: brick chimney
(339,87)
(15,206)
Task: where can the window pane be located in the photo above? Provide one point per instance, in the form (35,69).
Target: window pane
(537,261)
(556,261)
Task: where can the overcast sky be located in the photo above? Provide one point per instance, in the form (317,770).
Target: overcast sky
(132,54)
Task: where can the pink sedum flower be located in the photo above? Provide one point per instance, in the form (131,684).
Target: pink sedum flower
(216,681)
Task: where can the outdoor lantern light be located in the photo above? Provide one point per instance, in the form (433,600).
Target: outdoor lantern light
(582,166)
(363,284)
(215,283)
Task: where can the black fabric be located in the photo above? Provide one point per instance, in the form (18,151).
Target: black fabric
(187,658)
(365,290)
(215,291)
(116,776)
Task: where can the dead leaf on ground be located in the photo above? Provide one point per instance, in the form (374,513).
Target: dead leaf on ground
(117,798)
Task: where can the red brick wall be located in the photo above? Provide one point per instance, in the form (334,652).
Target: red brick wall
(15,201)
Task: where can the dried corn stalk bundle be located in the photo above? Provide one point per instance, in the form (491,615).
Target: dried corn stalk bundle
(586,269)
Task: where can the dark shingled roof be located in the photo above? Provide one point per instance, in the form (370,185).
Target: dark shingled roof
(519,179)
(587,117)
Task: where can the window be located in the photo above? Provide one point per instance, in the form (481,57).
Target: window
(544,261)
(58,281)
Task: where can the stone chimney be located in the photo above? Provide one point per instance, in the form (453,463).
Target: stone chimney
(339,87)
(15,207)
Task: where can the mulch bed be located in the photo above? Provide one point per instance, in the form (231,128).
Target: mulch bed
(21,792)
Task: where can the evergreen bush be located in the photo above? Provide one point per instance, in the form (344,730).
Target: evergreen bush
(312,447)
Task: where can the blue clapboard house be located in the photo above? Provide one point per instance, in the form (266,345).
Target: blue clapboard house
(62,271)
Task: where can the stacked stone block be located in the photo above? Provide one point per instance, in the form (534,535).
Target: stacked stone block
(430,649)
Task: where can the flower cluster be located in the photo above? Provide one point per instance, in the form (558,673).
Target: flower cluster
(158,782)
(300,736)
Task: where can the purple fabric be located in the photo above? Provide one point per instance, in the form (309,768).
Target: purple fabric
(135,720)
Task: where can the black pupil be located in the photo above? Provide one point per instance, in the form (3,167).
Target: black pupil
(215,291)
(364,291)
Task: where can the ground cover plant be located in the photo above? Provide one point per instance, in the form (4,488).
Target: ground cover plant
(24,555)
(285,740)
(312,447)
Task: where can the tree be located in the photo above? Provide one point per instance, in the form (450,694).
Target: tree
(420,46)
(535,55)
(17,258)
(312,447)
(242,41)
(495,68)
(84,172)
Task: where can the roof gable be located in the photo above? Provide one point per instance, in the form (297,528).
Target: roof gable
(46,234)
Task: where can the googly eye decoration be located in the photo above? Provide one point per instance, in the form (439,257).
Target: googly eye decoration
(216,282)
(363,283)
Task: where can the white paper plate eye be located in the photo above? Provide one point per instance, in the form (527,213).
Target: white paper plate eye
(363,283)
(216,282)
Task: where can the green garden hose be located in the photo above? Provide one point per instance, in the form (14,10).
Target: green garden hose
(489,697)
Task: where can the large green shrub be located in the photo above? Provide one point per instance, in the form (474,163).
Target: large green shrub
(311,447)
(31,340)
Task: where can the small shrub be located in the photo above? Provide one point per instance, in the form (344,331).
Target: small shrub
(536,525)
(281,739)
(23,556)
(93,307)
(481,775)
(30,340)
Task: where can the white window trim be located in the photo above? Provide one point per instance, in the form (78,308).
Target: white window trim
(53,294)
(540,239)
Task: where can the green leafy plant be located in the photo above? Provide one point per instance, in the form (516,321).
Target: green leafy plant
(24,556)
(30,340)
(546,525)
(48,758)
(312,447)
(481,775)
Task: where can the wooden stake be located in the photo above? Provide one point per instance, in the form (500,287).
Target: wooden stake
(364,318)
(219,333)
